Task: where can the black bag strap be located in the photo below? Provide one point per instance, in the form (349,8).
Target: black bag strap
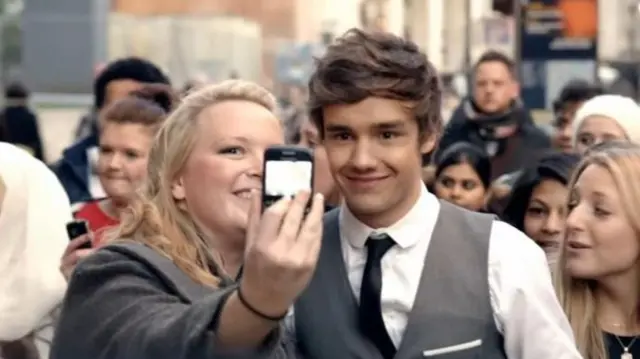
(172,276)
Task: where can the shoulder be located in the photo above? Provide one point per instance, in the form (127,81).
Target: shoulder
(513,252)
(107,262)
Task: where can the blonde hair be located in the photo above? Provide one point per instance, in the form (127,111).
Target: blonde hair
(154,217)
(577,296)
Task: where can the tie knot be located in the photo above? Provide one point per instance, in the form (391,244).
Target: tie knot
(378,244)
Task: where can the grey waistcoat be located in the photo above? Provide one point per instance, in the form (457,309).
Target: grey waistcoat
(451,317)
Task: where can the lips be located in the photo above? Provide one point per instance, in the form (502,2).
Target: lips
(578,245)
(368,179)
(245,193)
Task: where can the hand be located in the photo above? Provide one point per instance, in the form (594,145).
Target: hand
(282,251)
(73,254)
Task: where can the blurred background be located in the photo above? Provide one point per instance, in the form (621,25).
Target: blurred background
(56,47)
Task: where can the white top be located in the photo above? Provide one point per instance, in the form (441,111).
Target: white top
(525,306)
(33,214)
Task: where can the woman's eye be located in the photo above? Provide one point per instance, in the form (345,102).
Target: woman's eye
(235,150)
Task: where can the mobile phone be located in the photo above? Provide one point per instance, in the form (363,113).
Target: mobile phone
(77,228)
(287,171)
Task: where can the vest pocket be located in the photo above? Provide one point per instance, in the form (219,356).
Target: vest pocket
(462,350)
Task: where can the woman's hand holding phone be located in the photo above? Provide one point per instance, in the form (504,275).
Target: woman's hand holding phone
(75,251)
(281,251)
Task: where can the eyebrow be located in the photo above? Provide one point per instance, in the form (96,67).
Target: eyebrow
(382,125)
(539,202)
(241,139)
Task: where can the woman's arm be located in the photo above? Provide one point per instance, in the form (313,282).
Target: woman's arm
(117,308)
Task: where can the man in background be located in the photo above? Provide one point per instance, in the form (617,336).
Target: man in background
(494,118)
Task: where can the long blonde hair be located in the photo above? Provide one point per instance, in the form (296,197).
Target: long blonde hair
(577,296)
(154,217)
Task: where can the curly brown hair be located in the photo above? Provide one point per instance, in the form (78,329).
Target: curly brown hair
(363,64)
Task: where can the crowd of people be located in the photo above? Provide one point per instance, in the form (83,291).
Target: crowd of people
(484,236)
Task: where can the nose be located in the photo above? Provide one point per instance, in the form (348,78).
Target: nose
(362,158)
(553,225)
(565,132)
(256,165)
(115,161)
(456,193)
(575,219)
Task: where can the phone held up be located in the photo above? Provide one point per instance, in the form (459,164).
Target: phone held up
(77,228)
(287,171)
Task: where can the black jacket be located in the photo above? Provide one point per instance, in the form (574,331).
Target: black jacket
(466,125)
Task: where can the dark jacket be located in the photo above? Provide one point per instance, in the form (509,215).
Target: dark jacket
(123,305)
(468,125)
(19,126)
(73,170)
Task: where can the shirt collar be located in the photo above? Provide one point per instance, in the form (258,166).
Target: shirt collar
(417,223)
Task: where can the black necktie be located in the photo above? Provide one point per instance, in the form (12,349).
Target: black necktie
(370,313)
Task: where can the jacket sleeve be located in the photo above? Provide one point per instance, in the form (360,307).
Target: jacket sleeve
(117,308)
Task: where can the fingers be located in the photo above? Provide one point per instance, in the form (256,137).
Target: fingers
(293,219)
(76,243)
(253,227)
(271,220)
(310,236)
(73,258)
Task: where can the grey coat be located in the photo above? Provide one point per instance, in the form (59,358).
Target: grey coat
(128,302)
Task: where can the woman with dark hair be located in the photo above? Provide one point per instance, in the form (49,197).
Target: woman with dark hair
(538,201)
(463,176)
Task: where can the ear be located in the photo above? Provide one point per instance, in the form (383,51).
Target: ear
(428,143)
(177,189)
(515,89)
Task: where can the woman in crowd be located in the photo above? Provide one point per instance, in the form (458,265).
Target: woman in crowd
(33,212)
(598,278)
(537,203)
(463,176)
(606,118)
(168,291)
(127,130)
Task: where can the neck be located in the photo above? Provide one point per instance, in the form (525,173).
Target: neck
(393,214)
(618,303)
(113,207)
(232,260)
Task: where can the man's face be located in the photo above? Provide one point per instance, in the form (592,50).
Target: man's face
(374,152)
(494,87)
(562,126)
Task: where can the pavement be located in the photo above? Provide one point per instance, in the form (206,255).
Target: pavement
(57,126)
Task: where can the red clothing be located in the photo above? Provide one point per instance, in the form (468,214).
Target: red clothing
(98,220)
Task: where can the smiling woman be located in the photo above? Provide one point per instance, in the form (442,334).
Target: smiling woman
(167,286)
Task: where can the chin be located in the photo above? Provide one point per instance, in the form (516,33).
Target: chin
(581,271)
(367,205)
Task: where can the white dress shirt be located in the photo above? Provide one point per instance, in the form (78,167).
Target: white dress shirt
(525,308)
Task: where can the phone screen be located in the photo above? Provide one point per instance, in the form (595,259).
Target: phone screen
(285,178)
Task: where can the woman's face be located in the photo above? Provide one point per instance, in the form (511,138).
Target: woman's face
(461,185)
(597,129)
(601,241)
(544,218)
(225,165)
(124,154)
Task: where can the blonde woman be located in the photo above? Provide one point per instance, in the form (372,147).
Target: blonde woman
(599,275)
(168,290)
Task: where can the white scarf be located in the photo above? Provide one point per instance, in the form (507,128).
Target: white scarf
(33,214)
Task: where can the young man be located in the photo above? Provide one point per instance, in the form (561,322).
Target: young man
(401,274)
